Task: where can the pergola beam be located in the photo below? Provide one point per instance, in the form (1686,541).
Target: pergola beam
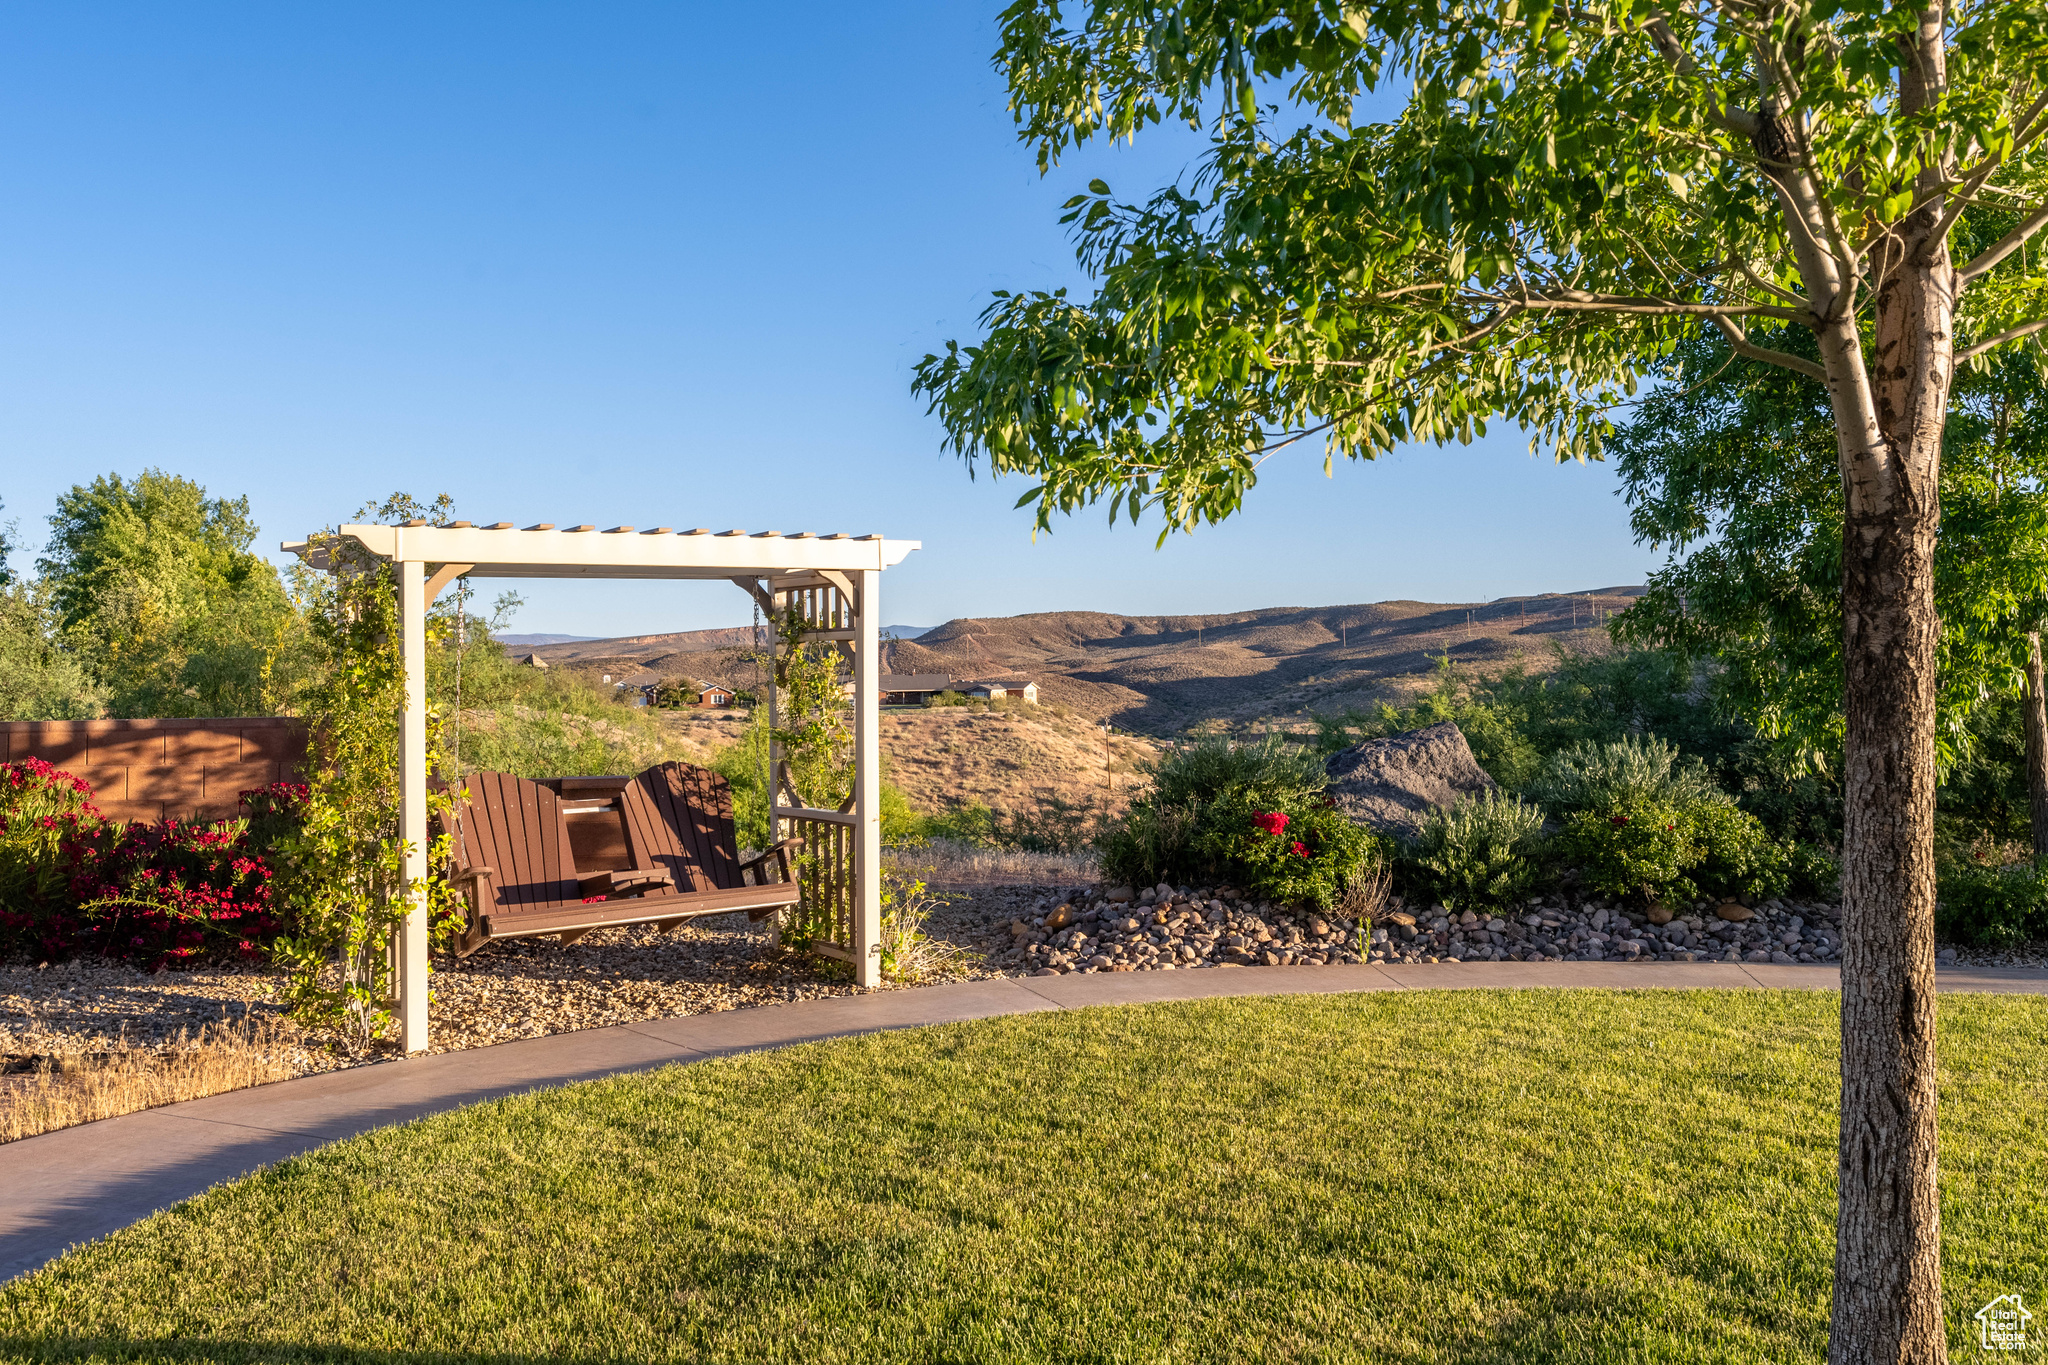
(443,576)
(492,553)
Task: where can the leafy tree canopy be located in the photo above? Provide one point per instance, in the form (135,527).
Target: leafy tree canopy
(157,594)
(1565,193)
(1733,467)
(38,680)
(7,548)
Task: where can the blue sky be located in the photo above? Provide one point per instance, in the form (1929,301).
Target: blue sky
(655,264)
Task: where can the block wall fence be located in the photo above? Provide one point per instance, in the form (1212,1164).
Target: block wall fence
(159,769)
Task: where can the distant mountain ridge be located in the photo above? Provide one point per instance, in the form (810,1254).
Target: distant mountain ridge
(632,646)
(1164,673)
(542,639)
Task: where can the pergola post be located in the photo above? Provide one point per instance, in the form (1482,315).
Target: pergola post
(412,799)
(867,783)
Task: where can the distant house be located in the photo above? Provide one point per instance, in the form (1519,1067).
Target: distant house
(913,689)
(711,694)
(535,661)
(644,682)
(916,689)
(689,692)
(1007,687)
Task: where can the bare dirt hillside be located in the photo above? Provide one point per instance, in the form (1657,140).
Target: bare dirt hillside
(728,666)
(1163,674)
(637,646)
(952,756)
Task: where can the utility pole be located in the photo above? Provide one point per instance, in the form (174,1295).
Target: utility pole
(1108,779)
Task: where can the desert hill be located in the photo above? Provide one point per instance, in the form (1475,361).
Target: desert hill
(636,646)
(1162,674)
(1009,758)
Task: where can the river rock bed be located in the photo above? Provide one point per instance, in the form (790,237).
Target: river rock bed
(529,988)
(523,988)
(1168,928)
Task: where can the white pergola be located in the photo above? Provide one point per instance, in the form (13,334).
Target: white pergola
(833,581)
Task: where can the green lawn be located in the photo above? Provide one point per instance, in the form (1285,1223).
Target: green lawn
(1469,1176)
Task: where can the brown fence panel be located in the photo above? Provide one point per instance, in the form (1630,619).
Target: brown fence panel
(158,769)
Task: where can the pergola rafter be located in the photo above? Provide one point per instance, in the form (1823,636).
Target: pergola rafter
(831,581)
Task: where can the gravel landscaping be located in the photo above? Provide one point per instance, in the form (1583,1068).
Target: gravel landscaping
(53,1014)
(1166,928)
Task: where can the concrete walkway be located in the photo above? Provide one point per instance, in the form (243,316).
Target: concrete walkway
(79,1183)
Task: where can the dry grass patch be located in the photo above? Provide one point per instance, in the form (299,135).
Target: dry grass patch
(952,862)
(60,1090)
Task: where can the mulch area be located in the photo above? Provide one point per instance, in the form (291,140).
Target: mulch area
(531,988)
(518,989)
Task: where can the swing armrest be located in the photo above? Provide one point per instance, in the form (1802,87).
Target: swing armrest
(780,852)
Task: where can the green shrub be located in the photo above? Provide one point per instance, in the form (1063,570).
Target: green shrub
(1150,844)
(534,743)
(1201,800)
(1636,848)
(744,766)
(1303,855)
(1660,851)
(1589,777)
(1738,858)
(902,826)
(1992,906)
(1813,870)
(1482,851)
(1267,769)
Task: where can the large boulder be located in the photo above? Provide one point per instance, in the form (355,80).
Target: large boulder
(1391,783)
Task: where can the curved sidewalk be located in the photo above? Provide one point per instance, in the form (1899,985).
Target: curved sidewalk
(79,1183)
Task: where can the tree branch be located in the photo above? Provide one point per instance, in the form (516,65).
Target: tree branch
(1579,301)
(1741,122)
(2009,334)
(1974,180)
(2004,246)
(1762,285)
(1745,347)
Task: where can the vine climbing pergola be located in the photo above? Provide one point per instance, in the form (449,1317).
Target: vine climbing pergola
(830,582)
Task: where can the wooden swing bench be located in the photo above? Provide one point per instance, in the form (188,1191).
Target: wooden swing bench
(533,856)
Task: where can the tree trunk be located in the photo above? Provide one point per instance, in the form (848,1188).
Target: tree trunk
(2035,706)
(1887,1300)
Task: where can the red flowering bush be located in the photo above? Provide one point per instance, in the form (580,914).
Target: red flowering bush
(167,894)
(42,809)
(159,895)
(275,813)
(1252,849)
(1250,814)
